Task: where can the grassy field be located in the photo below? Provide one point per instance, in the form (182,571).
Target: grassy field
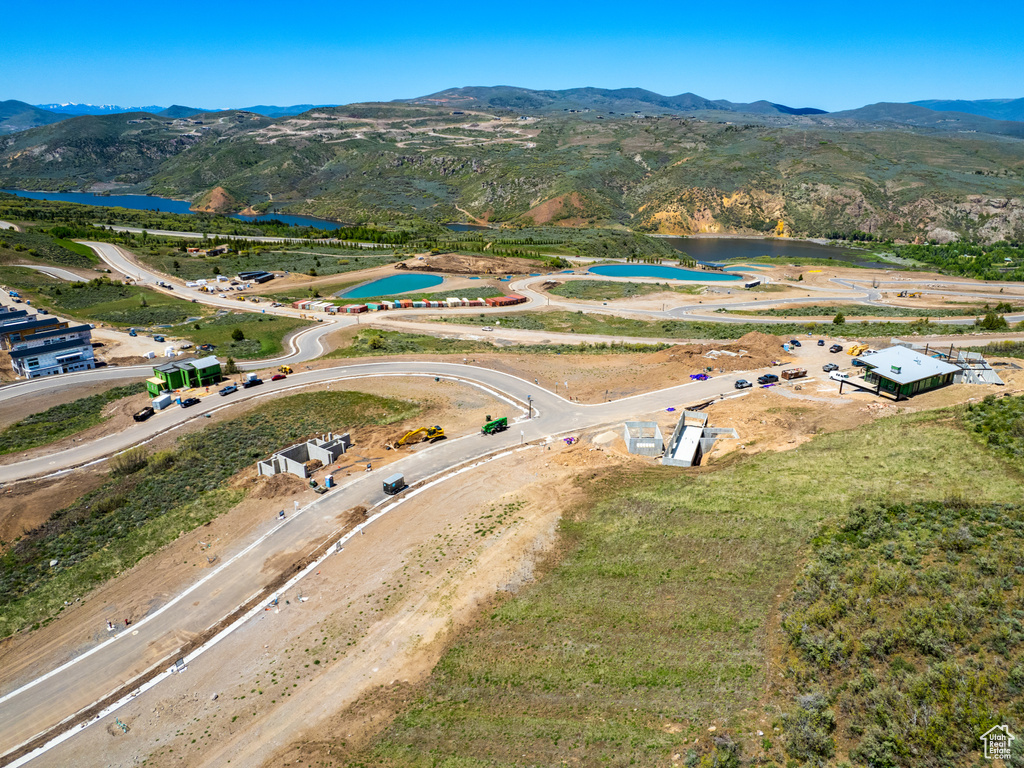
(61,421)
(377,342)
(611,325)
(653,627)
(264,334)
(606,290)
(150,499)
(860,310)
(18,247)
(173,261)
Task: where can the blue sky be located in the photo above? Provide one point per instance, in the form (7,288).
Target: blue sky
(217,54)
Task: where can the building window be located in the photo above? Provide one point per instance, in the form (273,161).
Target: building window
(32,362)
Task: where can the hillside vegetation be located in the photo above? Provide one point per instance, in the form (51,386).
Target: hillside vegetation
(650,641)
(670,174)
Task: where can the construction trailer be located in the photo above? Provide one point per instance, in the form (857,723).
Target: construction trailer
(295,459)
(692,438)
(793,373)
(643,438)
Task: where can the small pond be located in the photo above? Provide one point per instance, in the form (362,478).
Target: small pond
(389,286)
(657,270)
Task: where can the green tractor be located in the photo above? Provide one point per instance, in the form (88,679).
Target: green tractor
(494,426)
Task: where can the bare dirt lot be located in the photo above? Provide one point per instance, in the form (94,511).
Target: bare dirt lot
(461,264)
(378,614)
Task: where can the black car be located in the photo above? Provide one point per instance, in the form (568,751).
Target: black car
(768,378)
(835,348)
(251,383)
(742,384)
(228,389)
(189,401)
(821,342)
(795,343)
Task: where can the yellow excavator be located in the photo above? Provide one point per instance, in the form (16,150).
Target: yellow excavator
(433,434)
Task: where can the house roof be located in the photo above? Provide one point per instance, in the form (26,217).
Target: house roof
(13,316)
(911,366)
(206,362)
(57,332)
(28,325)
(60,346)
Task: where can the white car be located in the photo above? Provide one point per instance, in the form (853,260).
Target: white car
(223,295)
(487,328)
(839,376)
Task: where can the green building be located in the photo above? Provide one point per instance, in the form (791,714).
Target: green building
(184,374)
(902,372)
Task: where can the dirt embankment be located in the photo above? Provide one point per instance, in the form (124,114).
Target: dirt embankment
(217,200)
(564,210)
(460,264)
(754,350)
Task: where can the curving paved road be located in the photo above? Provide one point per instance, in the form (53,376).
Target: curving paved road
(57,272)
(32,706)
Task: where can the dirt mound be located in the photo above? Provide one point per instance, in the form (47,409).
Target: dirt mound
(461,264)
(278,486)
(217,200)
(556,208)
(754,350)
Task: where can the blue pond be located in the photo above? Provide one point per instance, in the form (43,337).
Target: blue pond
(388,286)
(656,270)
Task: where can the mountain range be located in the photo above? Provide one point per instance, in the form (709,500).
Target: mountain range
(18,116)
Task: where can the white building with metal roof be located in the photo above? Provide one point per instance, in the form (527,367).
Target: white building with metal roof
(903,372)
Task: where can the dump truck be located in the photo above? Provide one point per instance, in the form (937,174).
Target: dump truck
(494,426)
(793,373)
(394,484)
(857,349)
(144,414)
(432,434)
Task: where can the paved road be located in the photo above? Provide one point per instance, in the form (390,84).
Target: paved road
(27,711)
(60,274)
(9,225)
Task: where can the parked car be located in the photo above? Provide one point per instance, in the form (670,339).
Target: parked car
(768,378)
(487,328)
(821,342)
(859,362)
(189,401)
(795,343)
(228,389)
(251,383)
(742,384)
(278,377)
(838,376)
(159,339)
(835,348)
(829,367)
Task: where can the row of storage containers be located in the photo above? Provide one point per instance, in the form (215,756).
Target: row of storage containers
(312,305)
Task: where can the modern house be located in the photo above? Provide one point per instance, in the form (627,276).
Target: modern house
(47,359)
(12,333)
(184,374)
(903,372)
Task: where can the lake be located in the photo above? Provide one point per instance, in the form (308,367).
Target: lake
(389,286)
(166,205)
(466,228)
(724,249)
(655,270)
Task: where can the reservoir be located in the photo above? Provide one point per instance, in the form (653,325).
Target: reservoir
(466,228)
(724,249)
(389,286)
(656,270)
(166,205)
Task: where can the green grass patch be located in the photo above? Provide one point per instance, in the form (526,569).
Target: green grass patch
(861,310)
(1002,349)
(377,342)
(37,246)
(905,634)
(656,615)
(63,420)
(105,301)
(607,290)
(186,266)
(264,334)
(592,323)
(150,499)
